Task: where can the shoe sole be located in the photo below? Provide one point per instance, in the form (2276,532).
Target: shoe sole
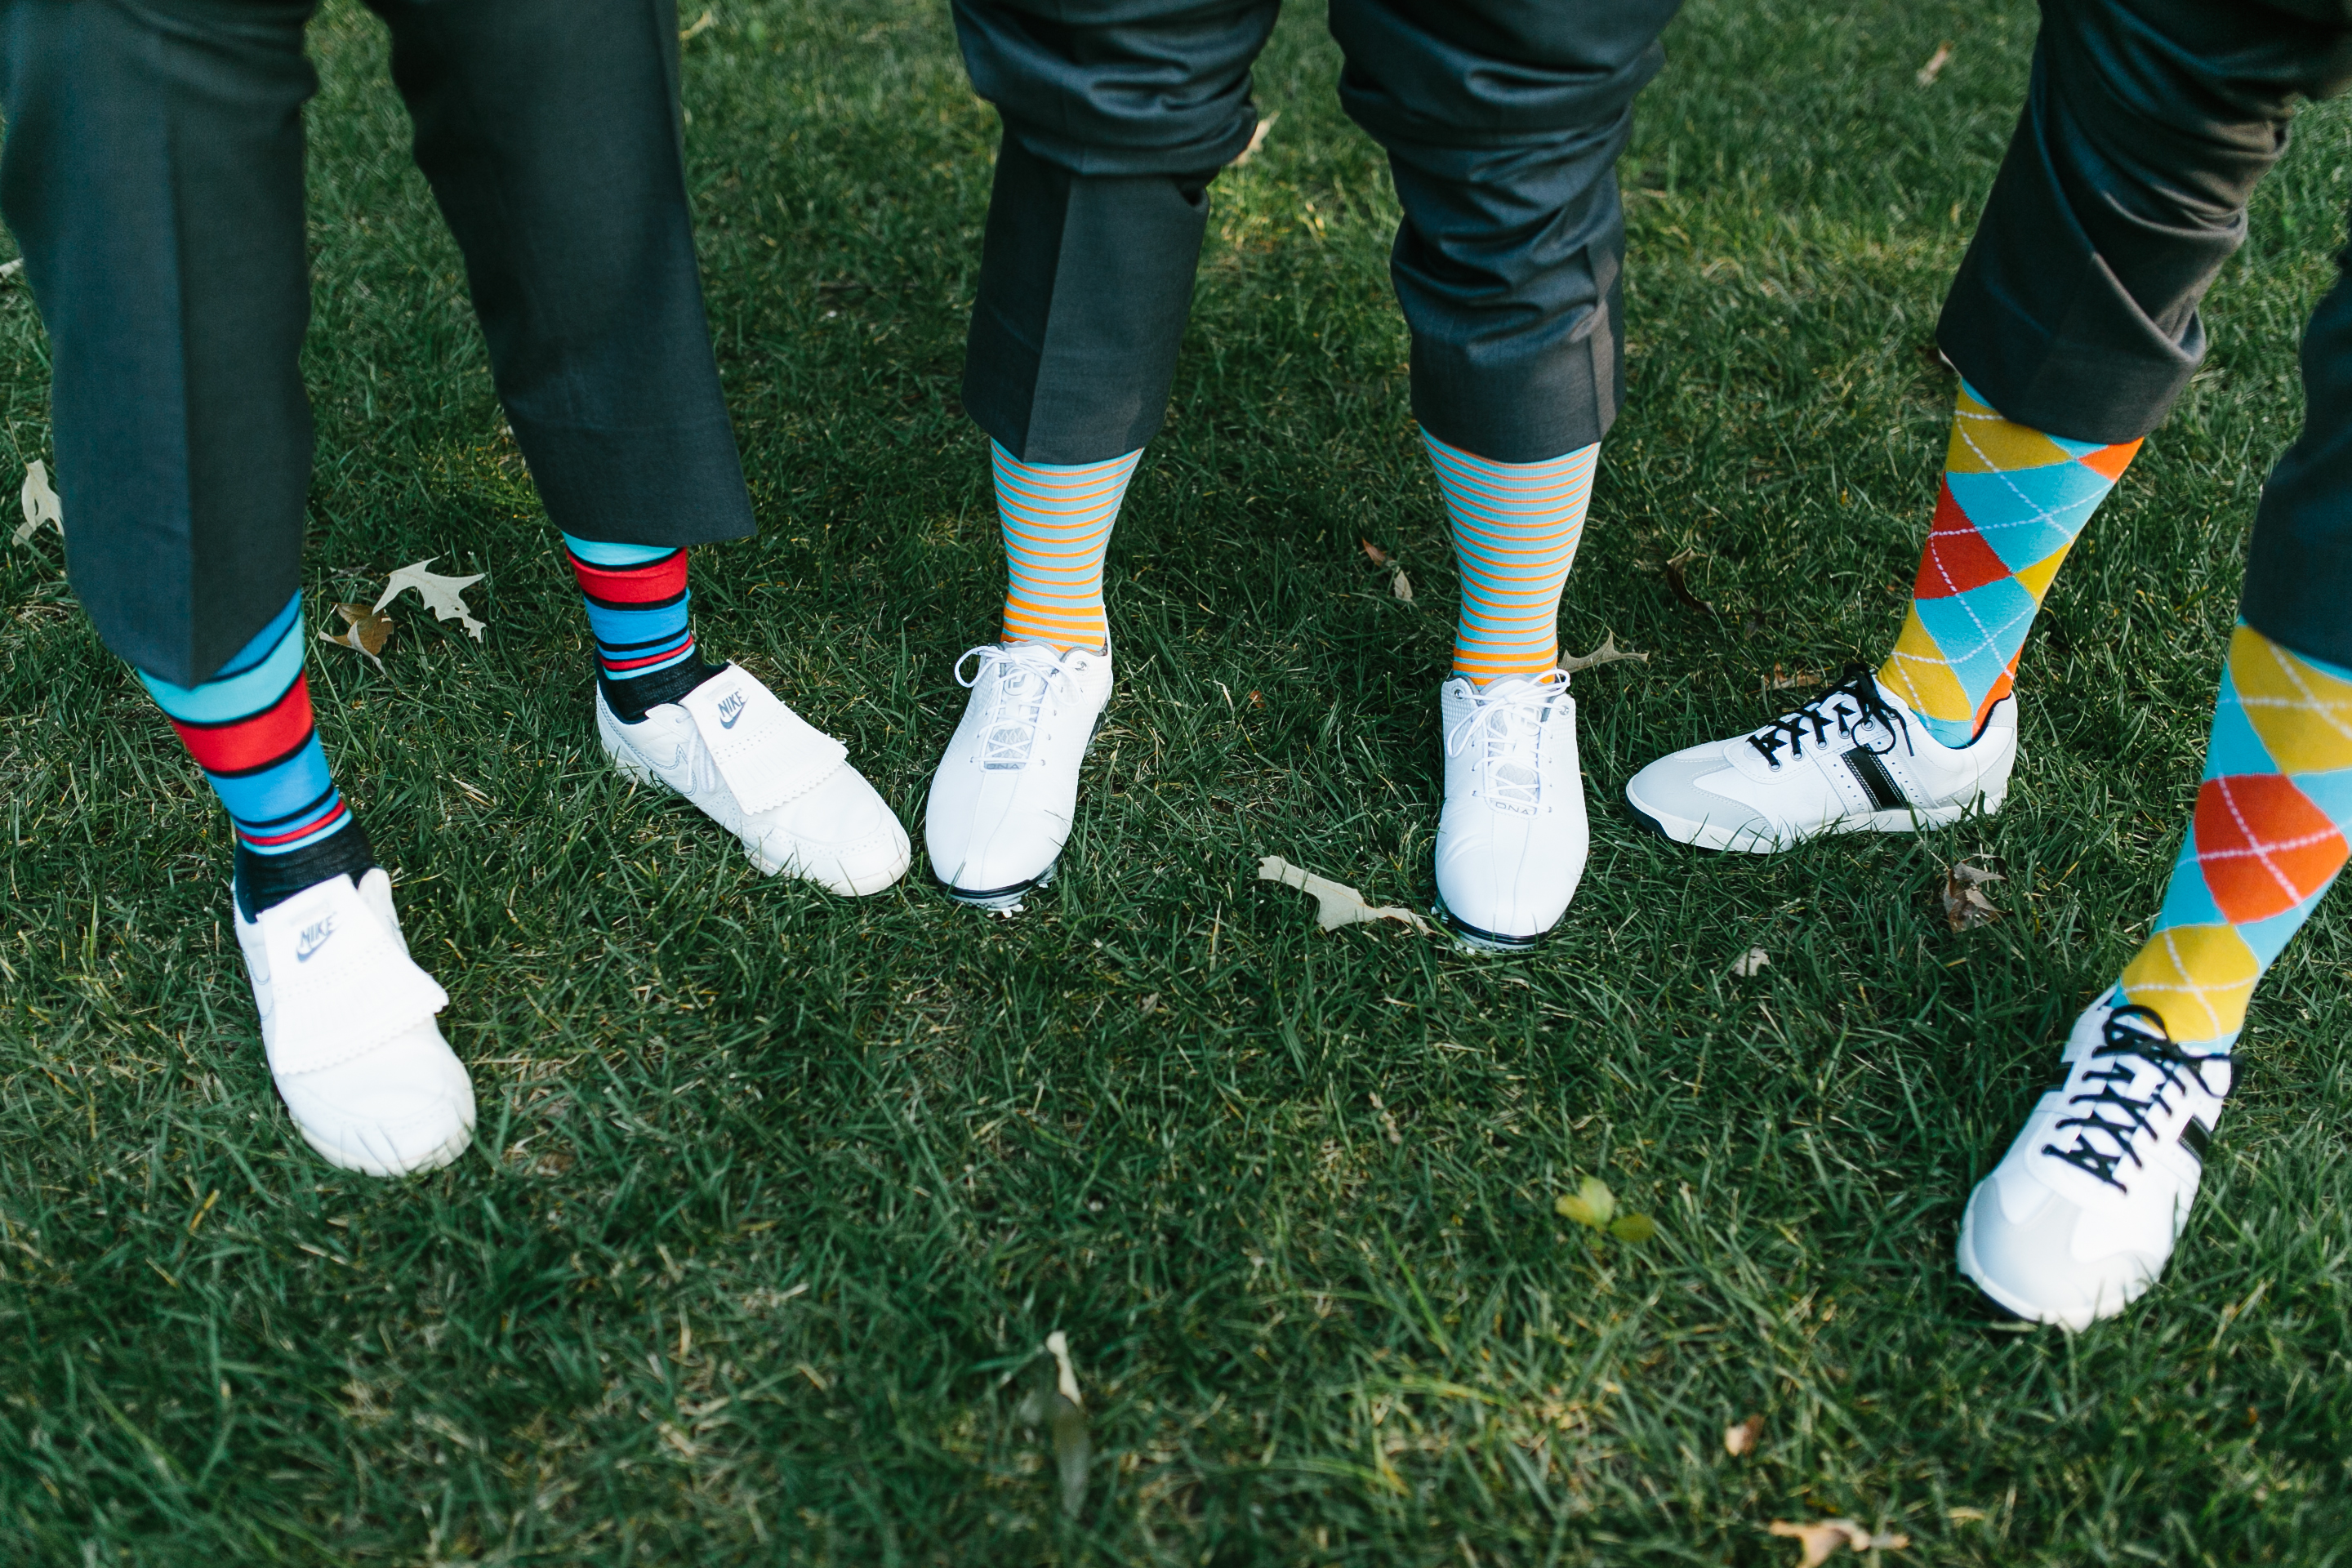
(1474,939)
(1705,835)
(343,1159)
(996,899)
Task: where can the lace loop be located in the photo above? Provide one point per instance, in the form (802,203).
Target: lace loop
(2132,1033)
(1852,704)
(1508,719)
(1028,672)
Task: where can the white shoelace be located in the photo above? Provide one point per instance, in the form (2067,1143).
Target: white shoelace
(1021,691)
(1508,718)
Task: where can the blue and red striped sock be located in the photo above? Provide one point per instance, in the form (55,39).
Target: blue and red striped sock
(637,599)
(250,728)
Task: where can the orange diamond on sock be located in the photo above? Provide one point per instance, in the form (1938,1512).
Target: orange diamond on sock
(2263,846)
(1957,558)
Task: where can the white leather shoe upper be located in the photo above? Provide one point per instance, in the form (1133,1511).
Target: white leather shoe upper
(1852,759)
(2080,1217)
(765,775)
(347,1023)
(1006,792)
(1512,837)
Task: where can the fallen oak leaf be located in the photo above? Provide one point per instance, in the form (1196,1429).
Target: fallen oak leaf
(1804,679)
(1741,1439)
(702,24)
(1256,140)
(1821,1538)
(1681,588)
(1935,66)
(440,593)
(1373,553)
(40,504)
(1401,586)
(1607,653)
(1339,904)
(365,631)
(1754,962)
(1965,903)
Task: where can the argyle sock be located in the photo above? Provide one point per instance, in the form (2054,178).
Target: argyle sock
(250,728)
(2266,843)
(1516,527)
(1056,519)
(2011,504)
(636,597)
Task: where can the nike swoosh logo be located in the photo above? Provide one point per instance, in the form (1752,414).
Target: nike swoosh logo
(728,723)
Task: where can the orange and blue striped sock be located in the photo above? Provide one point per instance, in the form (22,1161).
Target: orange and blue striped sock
(637,599)
(2011,504)
(1058,520)
(250,728)
(2267,839)
(1516,527)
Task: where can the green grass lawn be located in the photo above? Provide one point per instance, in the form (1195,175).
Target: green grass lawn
(775,1194)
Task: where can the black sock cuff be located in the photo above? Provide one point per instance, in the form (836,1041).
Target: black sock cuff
(263,881)
(629,699)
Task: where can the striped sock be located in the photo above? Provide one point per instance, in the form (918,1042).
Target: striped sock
(1516,527)
(2011,503)
(249,728)
(636,597)
(1058,520)
(2266,840)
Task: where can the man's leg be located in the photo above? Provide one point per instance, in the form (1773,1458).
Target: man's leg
(1502,124)
(1115,118)
(153,174)
(549,132)
(2074,324)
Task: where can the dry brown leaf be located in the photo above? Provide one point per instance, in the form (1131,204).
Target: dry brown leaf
(40,504)
(1935,64)
(1401,586)
(1607,653)
(1965,904)
(440,593)
(1257,140)
(1373,553)
(1340,904)
(1741,1439)
(1822,1537)
(1681,588)
(1755,961)
(365,631)
(1802,679)
(702,24)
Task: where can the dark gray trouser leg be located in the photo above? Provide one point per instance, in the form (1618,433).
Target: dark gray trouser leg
(1115,122)
(1503,122)
(153,176)
(2124,191)
(2299,564)
(549,130)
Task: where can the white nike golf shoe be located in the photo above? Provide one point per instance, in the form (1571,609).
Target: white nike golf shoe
(1513,839)
(2081,1215)
(1007,790)
(1852,760)
(766,775)
(347,1024)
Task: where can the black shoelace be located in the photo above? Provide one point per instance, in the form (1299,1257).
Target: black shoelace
(1821,714)
(2149,1043)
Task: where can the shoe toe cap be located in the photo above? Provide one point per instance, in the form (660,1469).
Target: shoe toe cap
(1671,795)
(842,836)
(2034,1267)
(404,1107)
(1508,884)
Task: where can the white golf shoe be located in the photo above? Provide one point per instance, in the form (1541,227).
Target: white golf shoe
(1007,790)
(766,775)
(1513,839)
(1852,760)
(347,1024)
(2081,1215)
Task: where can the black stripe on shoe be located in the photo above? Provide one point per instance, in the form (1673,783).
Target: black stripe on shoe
(2196,1139)
(1876,781)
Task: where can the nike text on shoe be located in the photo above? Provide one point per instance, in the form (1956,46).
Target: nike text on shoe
(762,773)
(347,1022)
(1513,839)
(1852,759)
(2080,1216)
(1005,793)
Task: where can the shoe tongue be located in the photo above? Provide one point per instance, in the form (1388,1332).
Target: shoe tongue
(767,754)
(341,981)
